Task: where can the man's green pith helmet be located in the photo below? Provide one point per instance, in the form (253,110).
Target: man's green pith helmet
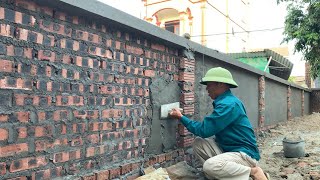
(219,74)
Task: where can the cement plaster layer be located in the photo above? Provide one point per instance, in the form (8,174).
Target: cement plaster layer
(296,106)
(163,131)
(275,102)
(307,109)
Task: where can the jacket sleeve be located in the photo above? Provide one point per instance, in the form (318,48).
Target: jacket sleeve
(222,116)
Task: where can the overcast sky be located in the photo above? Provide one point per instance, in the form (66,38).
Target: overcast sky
(264,14)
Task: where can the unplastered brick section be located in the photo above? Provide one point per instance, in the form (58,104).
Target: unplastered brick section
(187,98)
(262,94)
(74,94)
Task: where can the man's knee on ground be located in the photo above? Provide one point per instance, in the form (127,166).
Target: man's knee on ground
(214,168)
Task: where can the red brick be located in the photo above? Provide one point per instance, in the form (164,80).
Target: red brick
(5,30)
(63,129)
(49,86)
(134,50)
(3,169)
(64,73)
(78,128)
(61,157)
(41,131)
(149,73)
(6,66)
(60,30)
(90,151)
(83,35)
(48,71)
(22,132)
(22,34)
(76,46)
(1,13)
(36,100)
(13,149)
(3,118)
(41,145)
(23,116)
(135,166)
(3,135)
(94,126)
(66,156)
(168,156)
(102,175)
(41,116)
(75,20)
(22,84)
(89,177)
(112,113)
(114,173)
(76,154)
(125,168)
(186,76)
(161,158)
(19,178)
(185,141)
(10,50)
(183,130)
(27,163)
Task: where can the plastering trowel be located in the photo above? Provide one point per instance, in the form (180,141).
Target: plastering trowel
(166,108)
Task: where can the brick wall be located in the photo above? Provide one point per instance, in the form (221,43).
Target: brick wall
(315,100)
(69,90)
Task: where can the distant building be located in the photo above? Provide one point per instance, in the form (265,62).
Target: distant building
(221,25)
(266,60)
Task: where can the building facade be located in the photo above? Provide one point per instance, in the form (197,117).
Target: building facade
(220,25)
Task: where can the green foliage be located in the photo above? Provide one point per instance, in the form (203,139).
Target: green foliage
(291,79)
(302,25)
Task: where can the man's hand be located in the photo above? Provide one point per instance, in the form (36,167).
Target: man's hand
(175,113)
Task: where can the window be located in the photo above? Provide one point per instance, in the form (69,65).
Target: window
(173,26)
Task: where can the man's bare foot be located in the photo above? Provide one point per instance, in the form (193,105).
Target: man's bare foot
(257,174)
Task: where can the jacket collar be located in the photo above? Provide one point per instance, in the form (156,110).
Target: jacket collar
(222,96)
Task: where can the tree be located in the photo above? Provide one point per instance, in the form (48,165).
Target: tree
(302,25)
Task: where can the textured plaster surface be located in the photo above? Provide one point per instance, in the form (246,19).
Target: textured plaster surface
(163,131)
(276,102)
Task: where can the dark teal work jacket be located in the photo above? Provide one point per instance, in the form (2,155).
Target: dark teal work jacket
(230,125)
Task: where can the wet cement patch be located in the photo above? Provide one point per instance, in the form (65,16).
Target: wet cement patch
(163,132)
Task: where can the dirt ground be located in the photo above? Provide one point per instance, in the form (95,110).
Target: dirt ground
(272,155)
(272,160)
